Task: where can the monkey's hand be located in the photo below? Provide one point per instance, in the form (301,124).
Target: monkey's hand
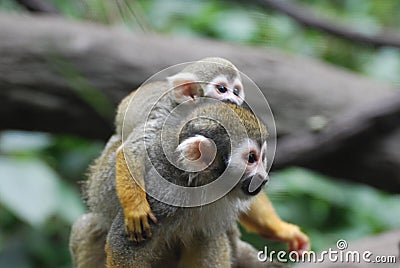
(136,220)
(291,234)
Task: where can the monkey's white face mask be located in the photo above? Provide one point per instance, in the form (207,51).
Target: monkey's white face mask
(255,160)
(248,160)
(222,89)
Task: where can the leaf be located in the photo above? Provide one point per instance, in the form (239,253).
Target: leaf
(236,25)
(29,188)
(70,206)
(17,141)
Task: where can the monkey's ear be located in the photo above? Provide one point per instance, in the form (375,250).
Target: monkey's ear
(185,86)
(196,153)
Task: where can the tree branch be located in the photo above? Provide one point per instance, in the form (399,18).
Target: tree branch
(306,17)
(332,150)
(385,244)
(368,123)
(46,63)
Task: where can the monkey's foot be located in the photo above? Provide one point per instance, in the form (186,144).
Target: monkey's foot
(291,234)
(136,222)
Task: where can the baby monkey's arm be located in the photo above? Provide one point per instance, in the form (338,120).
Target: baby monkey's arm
(133,197)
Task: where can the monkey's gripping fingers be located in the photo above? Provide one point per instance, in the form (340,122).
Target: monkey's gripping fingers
(300,244)
(296,239)
(137,224)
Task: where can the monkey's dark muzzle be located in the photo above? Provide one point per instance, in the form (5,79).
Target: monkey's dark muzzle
(253,185)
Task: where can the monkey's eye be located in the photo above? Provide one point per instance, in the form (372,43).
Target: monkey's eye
(252,158)
(222,88)
(236,91)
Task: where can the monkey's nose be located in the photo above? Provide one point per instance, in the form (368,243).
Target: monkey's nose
(229,101)
(257,181)
(253,185)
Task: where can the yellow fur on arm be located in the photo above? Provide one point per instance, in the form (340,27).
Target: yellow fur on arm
(133,198)
(129,192)
(261,218)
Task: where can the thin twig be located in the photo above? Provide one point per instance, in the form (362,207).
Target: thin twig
(306,17)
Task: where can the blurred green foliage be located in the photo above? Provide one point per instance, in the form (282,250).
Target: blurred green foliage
(40,173)
(39,196)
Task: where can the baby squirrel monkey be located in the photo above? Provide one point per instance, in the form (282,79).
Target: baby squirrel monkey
(205,235)
(211,77)
(89,232)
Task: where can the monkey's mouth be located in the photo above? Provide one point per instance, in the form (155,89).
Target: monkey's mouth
(252,186)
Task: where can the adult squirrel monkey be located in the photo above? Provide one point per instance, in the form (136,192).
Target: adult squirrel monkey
(211,77)
(203,234)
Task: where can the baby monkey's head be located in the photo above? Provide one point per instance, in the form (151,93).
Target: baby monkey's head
(216,78)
